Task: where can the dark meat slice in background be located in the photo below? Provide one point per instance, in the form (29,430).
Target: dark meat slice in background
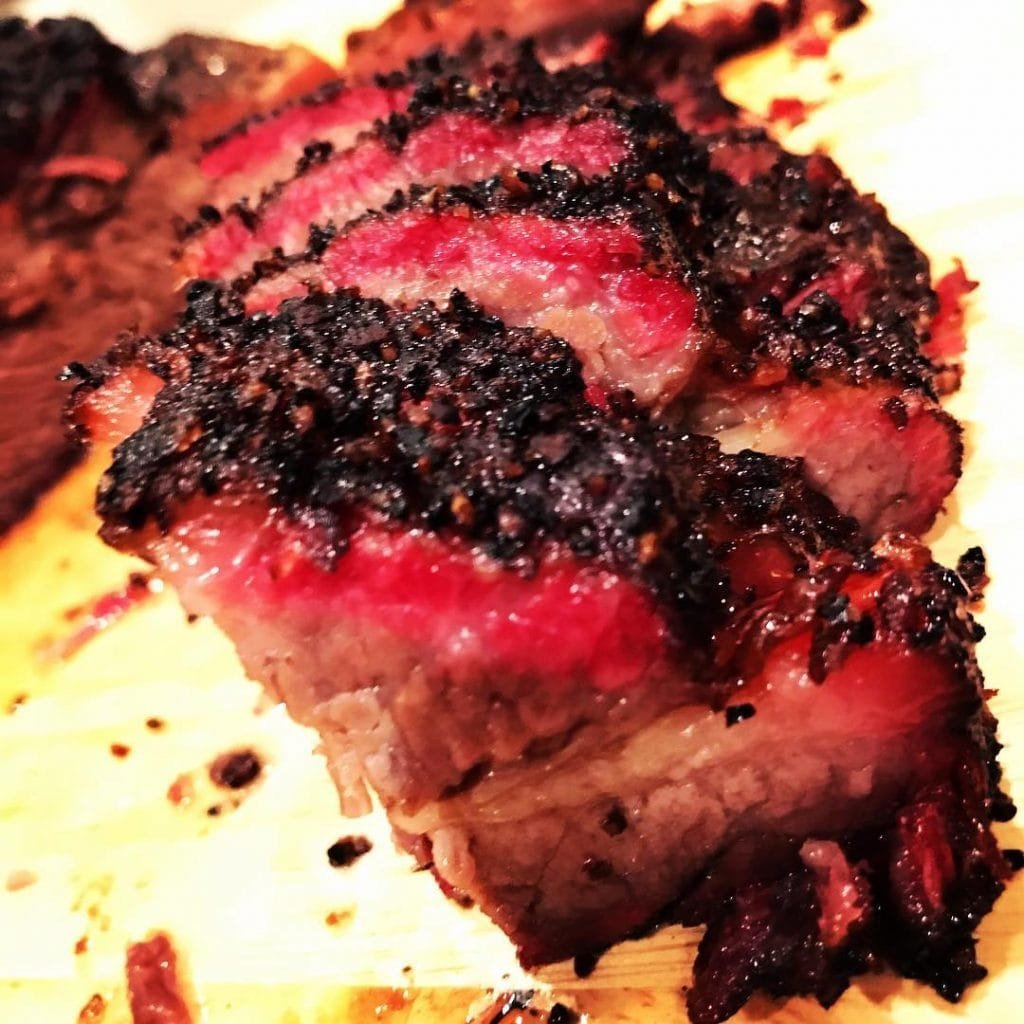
(85,250)
(423,25)
(456,131)
(632,276)
(570,650)
(45,77)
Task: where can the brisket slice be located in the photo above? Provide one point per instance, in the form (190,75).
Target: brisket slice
(454,131)
(98,150)
(635,277)
(570,649)
(586,260)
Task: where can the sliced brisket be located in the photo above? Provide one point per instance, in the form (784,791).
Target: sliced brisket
(569,648)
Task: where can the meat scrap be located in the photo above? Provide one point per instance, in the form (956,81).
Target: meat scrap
(155,986)
(478,579)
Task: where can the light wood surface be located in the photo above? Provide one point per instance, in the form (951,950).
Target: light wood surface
(925,115)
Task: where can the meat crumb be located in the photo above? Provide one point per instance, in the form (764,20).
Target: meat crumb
(82,945)
(16,702)
(21,878)
(338,917)
(120,750)
(155,724)
(561,1014)
(790,110)
(103,613)
(347,850)
(154,986)
(94,1010)
(972,569)
(236,770)
(1015,858)
(182,790)
(811,45)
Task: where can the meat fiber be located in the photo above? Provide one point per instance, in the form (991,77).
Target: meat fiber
(96,155)
(455,131)
(642,279)
(569,648)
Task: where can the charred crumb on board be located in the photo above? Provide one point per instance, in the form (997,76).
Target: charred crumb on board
(584,964)
(346,851)
(120,750)
(525,1006)
(236,769)
(155,724)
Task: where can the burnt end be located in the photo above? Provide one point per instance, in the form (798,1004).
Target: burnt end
(764,938)
(799,223)
(920,887)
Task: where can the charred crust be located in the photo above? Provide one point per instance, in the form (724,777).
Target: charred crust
(736,713)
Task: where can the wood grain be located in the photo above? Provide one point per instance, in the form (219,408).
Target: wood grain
(922,115)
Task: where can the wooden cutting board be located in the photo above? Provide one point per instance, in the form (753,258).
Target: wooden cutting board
(93,848)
